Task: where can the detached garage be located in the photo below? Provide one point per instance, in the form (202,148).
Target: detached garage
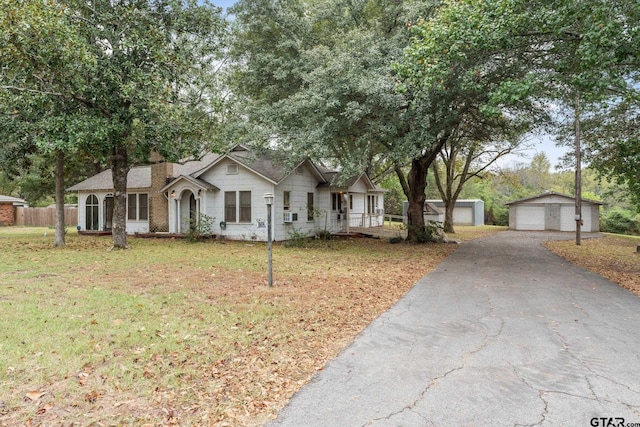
(553,211)
(465,212)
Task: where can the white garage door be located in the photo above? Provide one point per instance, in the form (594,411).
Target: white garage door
(568,221)
(529,217)
(463,216)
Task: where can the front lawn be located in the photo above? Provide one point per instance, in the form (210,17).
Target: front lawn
(612,256)
(174,333)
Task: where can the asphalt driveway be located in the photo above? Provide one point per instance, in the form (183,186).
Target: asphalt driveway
(502,333)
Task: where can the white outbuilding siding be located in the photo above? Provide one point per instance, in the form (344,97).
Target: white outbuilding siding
(465,211)
(554,212)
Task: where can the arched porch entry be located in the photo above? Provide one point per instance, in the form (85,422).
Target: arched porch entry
(188,210)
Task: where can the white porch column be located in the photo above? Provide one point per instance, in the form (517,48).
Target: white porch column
(347,211)
(101,213)
(178,228)
(198,212)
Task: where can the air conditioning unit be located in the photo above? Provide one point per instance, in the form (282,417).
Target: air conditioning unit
(287,218)
(379,211)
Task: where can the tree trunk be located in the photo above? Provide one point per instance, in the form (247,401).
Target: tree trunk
(120,169)
(448,216)
(446,191)
(417,183)
(60,226)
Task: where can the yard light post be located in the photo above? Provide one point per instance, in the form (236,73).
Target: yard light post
(268,200)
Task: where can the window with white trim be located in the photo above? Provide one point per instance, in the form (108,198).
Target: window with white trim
(230,206)
(138,207)
(336,201)
(310,207)
(372,204)
(286,200)
(245,206)
(91,213)
(237,206)
(232,169)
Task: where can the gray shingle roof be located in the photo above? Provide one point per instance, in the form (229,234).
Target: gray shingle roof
(193,166)
(553,193)
(265,163)
(138,177)
(13,200)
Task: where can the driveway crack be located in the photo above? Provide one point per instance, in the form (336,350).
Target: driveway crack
(486,339)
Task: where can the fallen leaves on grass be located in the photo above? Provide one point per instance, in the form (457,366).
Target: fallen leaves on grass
(241,349)
(612,257)
(34,395)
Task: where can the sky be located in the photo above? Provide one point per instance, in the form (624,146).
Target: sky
(539,143)
(223,3)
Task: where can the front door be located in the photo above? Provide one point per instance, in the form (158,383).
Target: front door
(193,211)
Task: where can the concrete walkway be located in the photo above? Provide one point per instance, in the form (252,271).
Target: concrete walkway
(502,333)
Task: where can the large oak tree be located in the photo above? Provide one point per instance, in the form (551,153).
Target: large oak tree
(580,55)
(318,79)
(117,79)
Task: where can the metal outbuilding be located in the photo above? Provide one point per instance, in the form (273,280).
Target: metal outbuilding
(553,211)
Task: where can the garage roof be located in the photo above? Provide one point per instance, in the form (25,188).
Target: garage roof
(553,193)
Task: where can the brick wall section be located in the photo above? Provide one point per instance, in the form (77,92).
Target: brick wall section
(7,213)
(158,203)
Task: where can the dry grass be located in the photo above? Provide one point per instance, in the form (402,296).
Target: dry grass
(172,333)
(612,256)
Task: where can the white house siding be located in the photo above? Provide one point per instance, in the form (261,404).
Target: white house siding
(133,226)
(299,183)
(324,221)
(213,202)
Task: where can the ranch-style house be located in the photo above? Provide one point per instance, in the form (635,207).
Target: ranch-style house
(228,191)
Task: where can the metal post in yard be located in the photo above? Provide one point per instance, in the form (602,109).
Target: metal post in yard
(268,200)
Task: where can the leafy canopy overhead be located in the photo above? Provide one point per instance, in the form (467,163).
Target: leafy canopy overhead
(131,73)
(573,52)
(117,79)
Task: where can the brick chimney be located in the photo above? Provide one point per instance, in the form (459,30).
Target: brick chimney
(161,171)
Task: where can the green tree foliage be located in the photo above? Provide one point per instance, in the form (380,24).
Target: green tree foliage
(33,117)
(394,197)
(318,80)
(117,79)
(620,221)
(579,54)
(612,143)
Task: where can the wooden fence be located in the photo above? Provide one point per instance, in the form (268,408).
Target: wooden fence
(45,217)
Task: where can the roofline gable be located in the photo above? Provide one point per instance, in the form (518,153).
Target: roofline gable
(199,173)
(314,170)
(553,193)
(195,181)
